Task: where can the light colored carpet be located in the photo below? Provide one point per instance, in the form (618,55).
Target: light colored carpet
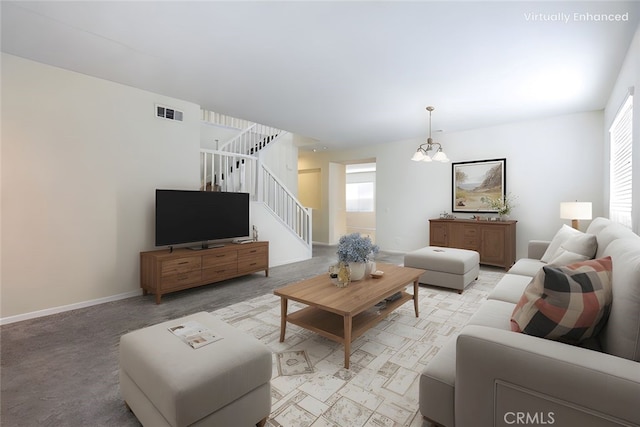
(381,388)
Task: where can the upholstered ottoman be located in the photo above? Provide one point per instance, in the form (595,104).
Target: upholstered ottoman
(446,267)
(166,382)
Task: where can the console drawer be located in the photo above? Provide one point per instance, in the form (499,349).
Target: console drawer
(252,252)
(219,272)
(180,265)
(180,280)
(214,260)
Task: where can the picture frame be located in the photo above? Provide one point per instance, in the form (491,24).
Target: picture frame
(474,180)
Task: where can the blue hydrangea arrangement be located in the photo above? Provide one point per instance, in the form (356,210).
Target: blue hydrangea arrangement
(355,248)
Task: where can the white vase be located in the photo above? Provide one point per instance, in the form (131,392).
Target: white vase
(371,268)
(357,270)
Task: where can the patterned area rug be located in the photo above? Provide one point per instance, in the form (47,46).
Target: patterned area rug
(293,363)
(381,388)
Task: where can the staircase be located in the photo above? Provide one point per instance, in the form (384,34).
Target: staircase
(236,166)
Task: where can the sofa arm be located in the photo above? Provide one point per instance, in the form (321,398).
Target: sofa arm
(537,248)
(504,376)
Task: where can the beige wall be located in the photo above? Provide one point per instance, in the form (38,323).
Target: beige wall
(81,159)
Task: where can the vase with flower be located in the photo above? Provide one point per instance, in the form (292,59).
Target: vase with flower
(356,250)
(502,205)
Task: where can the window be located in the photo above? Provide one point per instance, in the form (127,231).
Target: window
(620,167)
(360,197)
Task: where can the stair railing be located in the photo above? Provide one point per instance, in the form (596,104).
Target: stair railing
(224,171)
(252,139)
(219,119)
(284,204)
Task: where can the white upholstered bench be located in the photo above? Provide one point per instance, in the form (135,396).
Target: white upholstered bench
(446,267)
(166,382)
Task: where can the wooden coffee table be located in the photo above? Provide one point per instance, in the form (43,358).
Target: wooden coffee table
(344,314)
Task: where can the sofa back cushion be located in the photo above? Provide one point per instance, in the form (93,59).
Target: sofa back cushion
(608,234)
(598,224)
(621,334)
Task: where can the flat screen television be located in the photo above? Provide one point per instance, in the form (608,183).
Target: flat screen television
(185,216)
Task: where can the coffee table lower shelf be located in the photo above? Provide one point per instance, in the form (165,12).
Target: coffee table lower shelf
(331,325)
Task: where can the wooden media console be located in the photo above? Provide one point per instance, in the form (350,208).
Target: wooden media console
(164,271)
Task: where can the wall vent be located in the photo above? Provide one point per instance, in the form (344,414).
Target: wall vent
(168,113)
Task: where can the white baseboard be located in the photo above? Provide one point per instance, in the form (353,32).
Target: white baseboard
(55,310)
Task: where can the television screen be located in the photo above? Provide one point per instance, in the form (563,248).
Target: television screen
(184,216)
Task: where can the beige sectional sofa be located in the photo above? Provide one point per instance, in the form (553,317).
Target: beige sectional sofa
(491,376)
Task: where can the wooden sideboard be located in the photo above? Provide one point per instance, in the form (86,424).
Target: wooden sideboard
(164,271)
(495,241)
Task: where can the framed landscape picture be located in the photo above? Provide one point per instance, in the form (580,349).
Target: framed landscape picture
(475,181)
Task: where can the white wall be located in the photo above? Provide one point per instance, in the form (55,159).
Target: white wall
(284,246)
(81,158)
(281,157)
(628,77)
(548,161)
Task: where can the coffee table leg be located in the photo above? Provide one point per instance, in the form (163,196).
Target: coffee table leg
(415,297)
(283,317)
(347,339)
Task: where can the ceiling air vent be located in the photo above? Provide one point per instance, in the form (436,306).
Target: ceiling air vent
(168,113)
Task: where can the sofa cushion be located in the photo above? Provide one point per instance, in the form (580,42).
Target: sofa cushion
(611,232)
(597,225)
(526,267)
(493,313)
(571,240)
(509,288)
(437,385)
(566,304)
(565,257)
(621,335)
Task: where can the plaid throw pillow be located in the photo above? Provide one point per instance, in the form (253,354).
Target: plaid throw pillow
(568,304)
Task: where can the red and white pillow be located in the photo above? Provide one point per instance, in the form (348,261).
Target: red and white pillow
(568,304)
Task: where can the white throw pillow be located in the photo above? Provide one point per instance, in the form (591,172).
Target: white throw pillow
(561,236)
(583,244)
(565,257)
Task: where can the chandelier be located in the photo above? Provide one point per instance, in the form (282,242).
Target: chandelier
(430,151)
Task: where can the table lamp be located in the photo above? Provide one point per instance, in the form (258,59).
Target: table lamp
(575,211)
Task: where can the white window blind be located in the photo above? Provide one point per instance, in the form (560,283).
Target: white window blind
(621,137)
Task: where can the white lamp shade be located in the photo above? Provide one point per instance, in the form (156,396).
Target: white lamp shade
(440,156)
(575,210)
(426,159)
(418,156)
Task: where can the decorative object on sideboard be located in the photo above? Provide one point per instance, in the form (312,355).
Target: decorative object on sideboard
(423,152)
(356,250)
(502,205)
(575,211)
(475,180)
(255,233)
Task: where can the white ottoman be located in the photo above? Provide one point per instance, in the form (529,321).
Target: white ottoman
(446,267)
(165,382)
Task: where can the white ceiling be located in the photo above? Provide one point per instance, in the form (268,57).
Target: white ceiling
(349,72)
